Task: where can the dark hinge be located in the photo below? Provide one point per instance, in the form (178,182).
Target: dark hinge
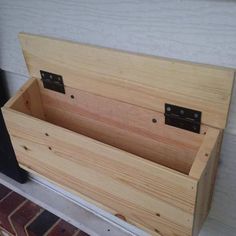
(52,81)
(183,118)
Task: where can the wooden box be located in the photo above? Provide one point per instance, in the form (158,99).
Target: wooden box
(136,135)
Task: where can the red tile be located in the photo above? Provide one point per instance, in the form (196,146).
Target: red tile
(62,228)
(23,215)
(4,191)
(8,206)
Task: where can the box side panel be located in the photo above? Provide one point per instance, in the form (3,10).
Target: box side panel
(131,128)
(141,80)
(206,150)
(28,100)
(146,194)
(209,156)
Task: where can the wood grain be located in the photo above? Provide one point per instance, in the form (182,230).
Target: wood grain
(141,80)
(155,196)
(122,125)
(204,169)
(28,100)
(208,148)
(199,36)
(30,142)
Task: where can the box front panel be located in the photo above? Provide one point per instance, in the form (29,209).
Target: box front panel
(146,194)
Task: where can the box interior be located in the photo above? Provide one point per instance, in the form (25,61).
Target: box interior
(134,129)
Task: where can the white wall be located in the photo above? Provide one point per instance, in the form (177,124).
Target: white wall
(201,31)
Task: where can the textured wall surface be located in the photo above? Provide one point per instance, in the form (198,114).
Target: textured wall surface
(200,31)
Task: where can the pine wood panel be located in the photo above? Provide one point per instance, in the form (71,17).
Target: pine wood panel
(154,196)
(209,145)
(141,80)
(204,169)
(28,100)
(124,126)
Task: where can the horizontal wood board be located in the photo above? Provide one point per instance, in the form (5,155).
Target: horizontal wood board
(146,81)
(155,197)
(203,37)
(125,126)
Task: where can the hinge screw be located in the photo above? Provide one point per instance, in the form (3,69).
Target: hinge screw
(168,108)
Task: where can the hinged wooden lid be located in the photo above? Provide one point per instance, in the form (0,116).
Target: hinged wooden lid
(145,81)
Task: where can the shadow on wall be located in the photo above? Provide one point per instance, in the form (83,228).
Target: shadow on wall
(3,89)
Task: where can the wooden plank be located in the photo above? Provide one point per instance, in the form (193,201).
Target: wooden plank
(204,168)
(174,157)
(28,100)
(124,126)
(209,145)
(116,112)
(146,81)
(147,194)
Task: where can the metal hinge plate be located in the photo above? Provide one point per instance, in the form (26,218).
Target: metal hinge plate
(183,118)
(52,81)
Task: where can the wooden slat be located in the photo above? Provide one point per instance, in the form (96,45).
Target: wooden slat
(209,145)
(28,100)
(124,126)
(147,194)
(204,168)
(141,80)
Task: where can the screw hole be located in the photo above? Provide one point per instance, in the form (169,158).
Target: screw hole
(157,231)
(108,230)
(206,154)
(25,148)
(154,120)
(72,96)
(157,214)
(49,148)
(204,133)
(46,134)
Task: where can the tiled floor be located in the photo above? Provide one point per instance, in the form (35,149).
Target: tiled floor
(21,217)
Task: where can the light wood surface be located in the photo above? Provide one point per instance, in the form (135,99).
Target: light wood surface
(204,169)
(33,138)
(201,38)
(204,31)
(28,100)
(209,146)
(145,81)
(103,77)
(124,126)
(103,174)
